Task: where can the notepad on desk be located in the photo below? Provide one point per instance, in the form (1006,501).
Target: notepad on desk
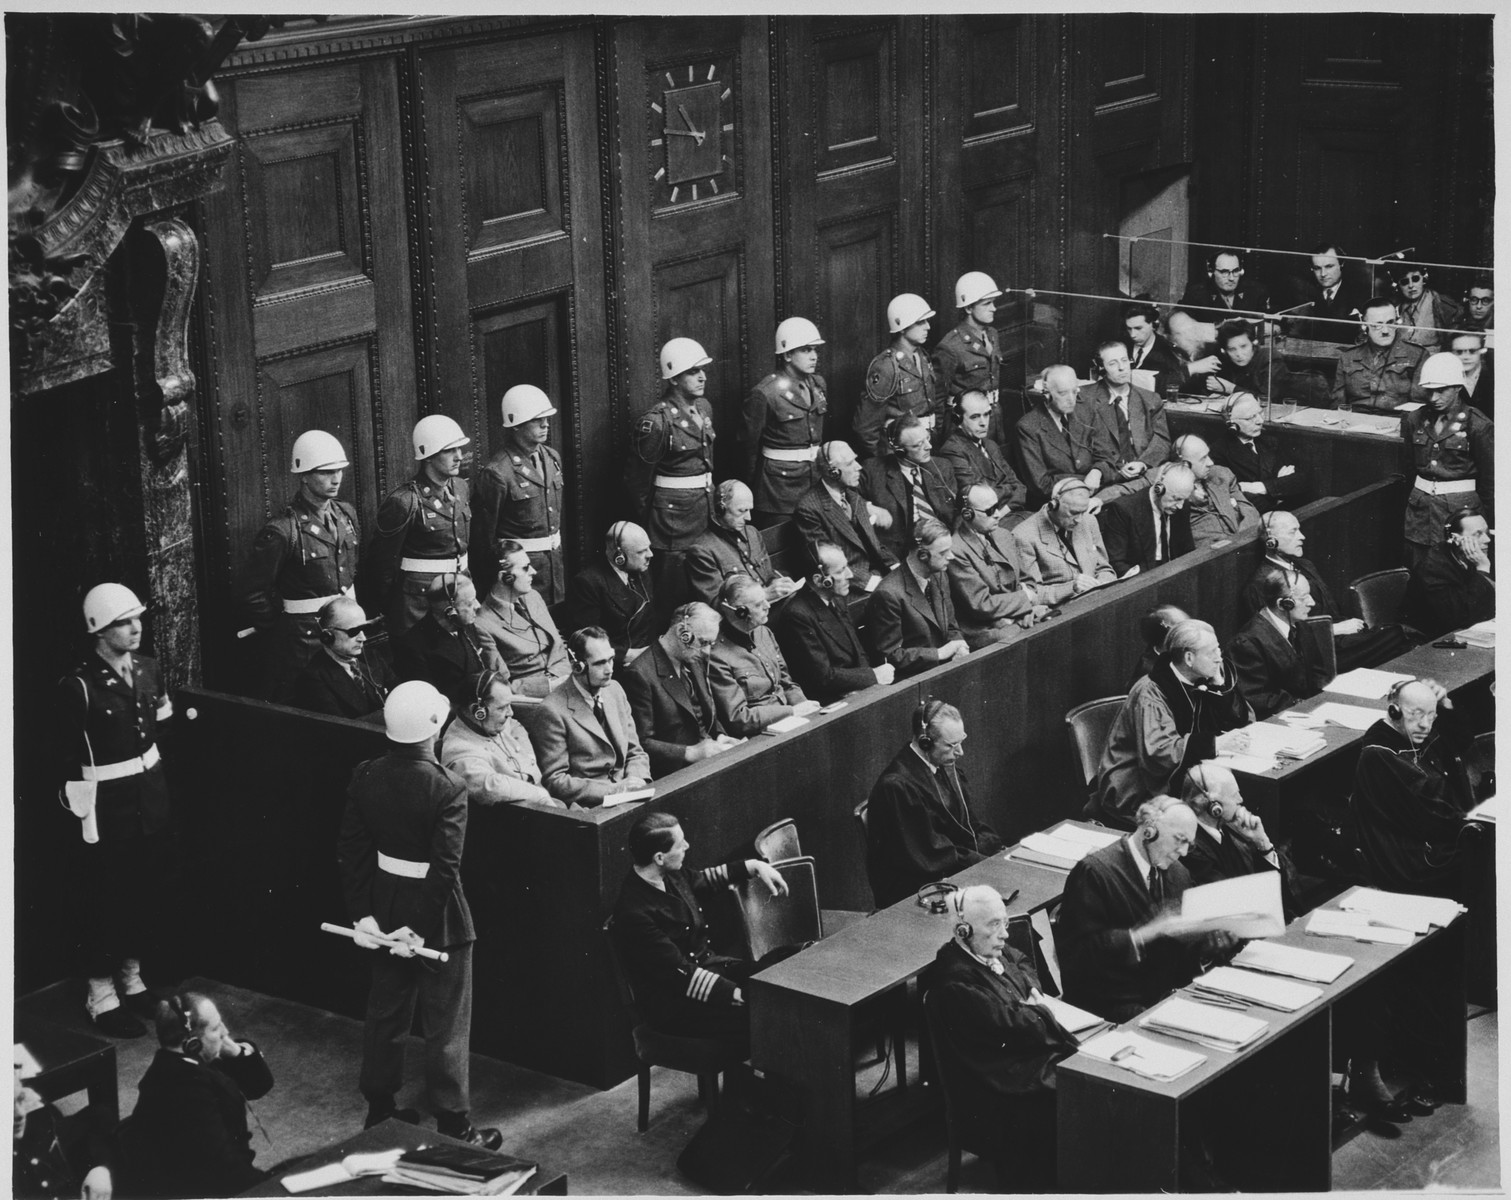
(1366,683)
(644,793)
(1329,922)
(1350,716)
(1276,959)
(785,725)
(1260,989)
(1151,1059)
(1061,847)
(1273,740)
(1207,1026)
(1401,910)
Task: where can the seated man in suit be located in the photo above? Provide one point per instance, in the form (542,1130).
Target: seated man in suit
(1218,509)
(1149,354)
(1411,792)
(1133,421)
(1145,529)
(919,823)
(751,684)
(188,1135)
(340,680)
(1120,938)
(515,616)
(910,621)
(976,458)
(909,483)
(1336,299)
(1171,719)
(1479,370)
(446,647)
(585,731)
(670,693)
(731,545)
(1263,470)
(1062,543)
(681,986)
(993,599)
(617,594)
(1453,587)
(1356,644)
(818,636)
(490,750)
(998,1042)
(1058,439)
(1230,840)
(833,510)
(1275,662)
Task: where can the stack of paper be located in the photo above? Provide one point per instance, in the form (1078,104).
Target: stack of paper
(1400,910)
(1246,905)
(1482,634)
(630,797)
(1061,847)
(1269,739)
(1350,716)
(1265,990)
(785,725)
(1277,959)
(1205,1025)
(1487,810)
(1085,1025)
(353,1166)
(1366,683)
(1329,922)
(1142,1056)
(1246,764)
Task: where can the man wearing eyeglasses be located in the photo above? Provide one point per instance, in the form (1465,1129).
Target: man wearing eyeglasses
(341,680)
(1380,374)
(1425,312)
(1479,307)
(1226,292)
(993,599)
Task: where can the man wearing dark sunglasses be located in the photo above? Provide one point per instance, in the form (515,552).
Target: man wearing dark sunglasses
(1425,313)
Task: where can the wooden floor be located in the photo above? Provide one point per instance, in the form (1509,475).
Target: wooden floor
(591,1135)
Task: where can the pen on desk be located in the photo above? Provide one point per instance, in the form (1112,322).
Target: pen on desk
(1214,1001)
(1125,1052)
(1011,896)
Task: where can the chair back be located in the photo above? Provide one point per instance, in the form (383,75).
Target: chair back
(1090,726)
(1380,595)
(1479,760)
(773,922)
(779,842)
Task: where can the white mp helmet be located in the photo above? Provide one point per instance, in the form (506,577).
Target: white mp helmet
(681,355)
(905,310)
(435,433)
(525,402)
(1442,370)
(107,603)
(316,450)
(413,712)
(795,333)
(973,287)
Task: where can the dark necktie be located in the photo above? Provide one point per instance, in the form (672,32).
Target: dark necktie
(1125,432)
(1291,637)
(1070,550)
(1162,553)
(1157,886)
(603,723)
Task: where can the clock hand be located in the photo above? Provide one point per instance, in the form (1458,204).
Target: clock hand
(683,133)
(696,132)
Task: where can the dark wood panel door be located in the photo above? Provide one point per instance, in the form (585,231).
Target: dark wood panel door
(513,247)
(308,312)
(694,143)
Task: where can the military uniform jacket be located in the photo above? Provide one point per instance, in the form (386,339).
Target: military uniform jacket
(1463,449)
(822,646)
(512,499)
(982,461)
(418,520)
(969,359)
(405,805)
(783,412)
(673,439)
(662,939)
(295,557)
(721,552)
(1148,439)
(626,611)
(530,644)
(1051,452)
(886,485)
(497,769)
(1375,378)
(848,525)
(898,381)
(750,680)
(1046,559)
(121,723)
(1218,508)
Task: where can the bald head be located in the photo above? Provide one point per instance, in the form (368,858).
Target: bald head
(982,915)
(735,504)
(980,501)
(1190,336)
(1211,791)
(1060,384)
(1195,453)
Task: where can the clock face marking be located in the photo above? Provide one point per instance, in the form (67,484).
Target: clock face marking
(691,134)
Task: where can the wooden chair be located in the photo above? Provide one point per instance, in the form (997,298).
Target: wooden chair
(1090,725)
(1380,595)
(779,842)
(944,1073)
(703,1057)
(775,922)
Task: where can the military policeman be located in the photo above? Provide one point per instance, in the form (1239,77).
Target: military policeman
(400,858)
(784,422)
(302,559)
(517,495)
(900,380)
(1453,446)
(969,357)
(671,472)
(108,715)
(423,526)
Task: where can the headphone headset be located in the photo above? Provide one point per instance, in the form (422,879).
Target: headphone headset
(616,533)
(1150,834)
(963,506)
(449,586)
(578,666)
(1393,699)
(1269,538)
(1213,804)
(685,632)
(922,716)
(1072,484)
(326,634)
(512,574)
(964,930)
(937,898)
(480,701)
(893,434)
(1286,603)
(1159,478)
(192,1044)
(1227,410)
(826,466)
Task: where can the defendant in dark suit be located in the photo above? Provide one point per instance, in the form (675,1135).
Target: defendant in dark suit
(910,621)
(818,636)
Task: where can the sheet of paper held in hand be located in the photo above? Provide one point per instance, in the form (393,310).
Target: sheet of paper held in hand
(1247,905)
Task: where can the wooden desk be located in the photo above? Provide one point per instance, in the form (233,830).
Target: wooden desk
(72,1062)
(386,1136)
(1120,1132)
(804,1013)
